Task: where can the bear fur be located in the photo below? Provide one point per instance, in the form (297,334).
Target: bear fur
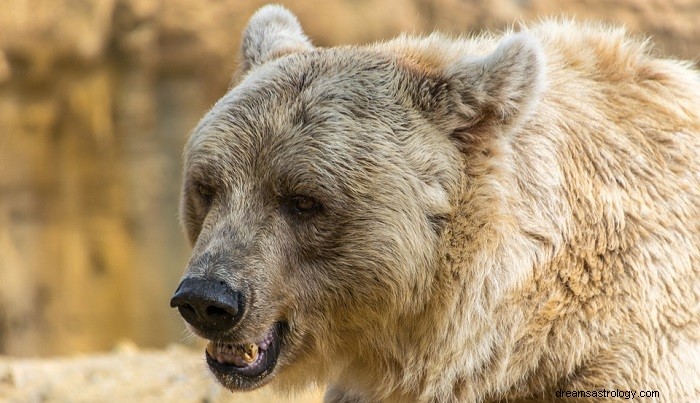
(493,218)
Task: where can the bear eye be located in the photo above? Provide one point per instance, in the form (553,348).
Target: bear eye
(303,205)
(205,192)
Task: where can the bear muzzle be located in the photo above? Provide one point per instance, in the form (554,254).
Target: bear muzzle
(214,310)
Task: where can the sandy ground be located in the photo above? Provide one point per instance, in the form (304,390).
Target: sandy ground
(177,374)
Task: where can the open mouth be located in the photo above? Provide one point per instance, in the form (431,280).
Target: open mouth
(247,365)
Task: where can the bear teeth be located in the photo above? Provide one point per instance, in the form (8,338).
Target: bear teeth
(240,355)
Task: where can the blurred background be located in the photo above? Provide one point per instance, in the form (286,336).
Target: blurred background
(96,100)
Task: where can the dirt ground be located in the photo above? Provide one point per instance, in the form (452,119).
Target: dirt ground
(176,374)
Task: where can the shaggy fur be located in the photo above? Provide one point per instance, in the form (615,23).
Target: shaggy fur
(500,217)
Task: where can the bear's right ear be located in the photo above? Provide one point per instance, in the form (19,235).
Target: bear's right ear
(487,96)
(272,32)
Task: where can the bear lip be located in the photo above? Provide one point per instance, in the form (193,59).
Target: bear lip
(237,371)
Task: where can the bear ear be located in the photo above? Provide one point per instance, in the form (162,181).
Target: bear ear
(498,91)
(272,32)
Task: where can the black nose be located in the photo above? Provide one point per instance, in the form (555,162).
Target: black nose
(208,305)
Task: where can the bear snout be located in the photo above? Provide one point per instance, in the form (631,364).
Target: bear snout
(208,304)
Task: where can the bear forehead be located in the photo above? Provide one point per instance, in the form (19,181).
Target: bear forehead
(347,81)
(344,66)
(299,110)
(330,96)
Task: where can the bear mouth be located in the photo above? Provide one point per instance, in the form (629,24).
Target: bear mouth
(247,365)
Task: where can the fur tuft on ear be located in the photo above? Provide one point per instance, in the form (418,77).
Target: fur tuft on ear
(503,87)
(272,32)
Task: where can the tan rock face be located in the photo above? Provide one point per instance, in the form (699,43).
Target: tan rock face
(96,99)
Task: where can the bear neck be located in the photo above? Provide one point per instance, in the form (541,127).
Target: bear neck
(502,234)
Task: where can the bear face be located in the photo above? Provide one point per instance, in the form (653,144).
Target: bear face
(292,179)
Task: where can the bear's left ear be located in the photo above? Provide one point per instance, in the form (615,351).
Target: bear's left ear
(496,92)
(272,32)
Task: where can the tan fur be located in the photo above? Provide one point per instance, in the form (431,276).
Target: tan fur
(503,216)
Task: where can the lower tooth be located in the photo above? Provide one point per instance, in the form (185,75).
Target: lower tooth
(210,349)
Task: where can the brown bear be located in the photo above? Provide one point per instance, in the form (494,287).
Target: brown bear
(434,219)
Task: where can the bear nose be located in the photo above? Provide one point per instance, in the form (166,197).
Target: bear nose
(208,305)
